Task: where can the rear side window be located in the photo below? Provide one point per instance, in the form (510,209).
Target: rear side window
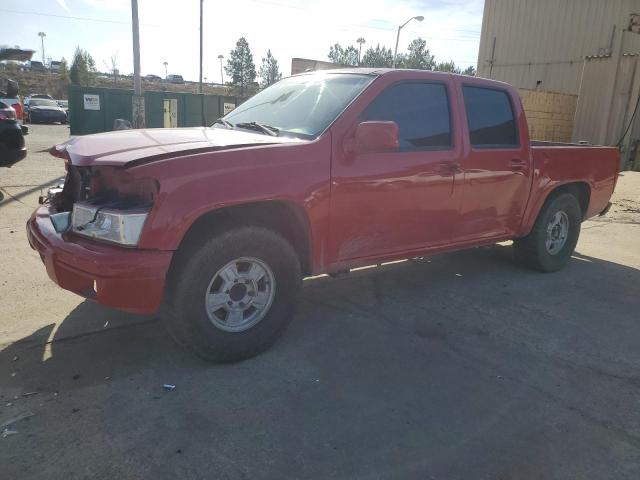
(490,118)
(421,111)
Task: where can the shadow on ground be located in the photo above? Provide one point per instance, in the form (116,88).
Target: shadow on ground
(460,366)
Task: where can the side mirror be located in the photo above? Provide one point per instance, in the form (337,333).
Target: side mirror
(376,137)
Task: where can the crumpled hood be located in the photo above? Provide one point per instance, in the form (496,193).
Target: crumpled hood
(124,146)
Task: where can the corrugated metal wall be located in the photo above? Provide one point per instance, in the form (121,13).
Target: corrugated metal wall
(547,40)
(601,119)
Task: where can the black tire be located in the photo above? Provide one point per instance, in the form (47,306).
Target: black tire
(531,251)
(185,313)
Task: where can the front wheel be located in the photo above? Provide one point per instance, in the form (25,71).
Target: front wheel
(554,236)
(234,295)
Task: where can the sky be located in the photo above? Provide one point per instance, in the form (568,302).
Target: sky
(169,30)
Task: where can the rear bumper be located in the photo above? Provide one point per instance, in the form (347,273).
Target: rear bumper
(11,156)
(126,279)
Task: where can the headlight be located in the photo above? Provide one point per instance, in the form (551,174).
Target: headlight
(112,225)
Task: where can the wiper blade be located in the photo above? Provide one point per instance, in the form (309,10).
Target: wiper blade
(267,129)
(224,122)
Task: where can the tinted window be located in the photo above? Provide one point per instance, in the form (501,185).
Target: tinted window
(490,117)
(421,111)
(3,105)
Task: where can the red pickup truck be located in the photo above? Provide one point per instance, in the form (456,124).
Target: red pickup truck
(322,172)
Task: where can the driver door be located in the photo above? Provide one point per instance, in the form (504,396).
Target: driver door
(390,203)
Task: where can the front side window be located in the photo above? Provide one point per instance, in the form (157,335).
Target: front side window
(304,105)
(421,111)
(490,118)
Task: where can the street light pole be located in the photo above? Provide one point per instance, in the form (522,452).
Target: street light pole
(138,99)
(220,57)
(395,54)
(200,85)
(42,35)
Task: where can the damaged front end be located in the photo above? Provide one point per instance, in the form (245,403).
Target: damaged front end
(102,202)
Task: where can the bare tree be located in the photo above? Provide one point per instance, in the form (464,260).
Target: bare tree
(112,66)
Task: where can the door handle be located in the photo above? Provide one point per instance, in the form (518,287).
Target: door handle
(448,168)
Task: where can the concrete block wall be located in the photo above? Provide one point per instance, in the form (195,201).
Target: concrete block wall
(550,114)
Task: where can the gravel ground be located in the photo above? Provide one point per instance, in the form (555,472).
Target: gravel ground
(459,366)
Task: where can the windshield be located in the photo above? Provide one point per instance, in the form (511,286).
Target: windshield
(303,105)
(37,102)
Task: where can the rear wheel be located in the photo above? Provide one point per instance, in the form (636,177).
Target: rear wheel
(233,297)
(554,236)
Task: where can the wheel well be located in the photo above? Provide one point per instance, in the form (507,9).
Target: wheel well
(580,190)
(282,217)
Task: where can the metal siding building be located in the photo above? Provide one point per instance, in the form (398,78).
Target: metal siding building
(542,44)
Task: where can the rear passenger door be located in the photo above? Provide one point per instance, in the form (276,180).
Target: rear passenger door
(497,166)
(384,203)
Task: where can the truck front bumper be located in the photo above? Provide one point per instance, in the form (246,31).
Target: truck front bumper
(128,279)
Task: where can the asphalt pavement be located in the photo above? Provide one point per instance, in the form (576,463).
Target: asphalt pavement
(458,366)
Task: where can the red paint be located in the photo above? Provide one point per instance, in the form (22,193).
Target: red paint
(128,279)
(361,206)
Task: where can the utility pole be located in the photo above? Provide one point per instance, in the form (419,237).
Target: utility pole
(204,121)
(220,57)
(138,99)
(165,70)
(42,35)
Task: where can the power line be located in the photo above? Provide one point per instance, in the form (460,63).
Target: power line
(70,17)
(120,22)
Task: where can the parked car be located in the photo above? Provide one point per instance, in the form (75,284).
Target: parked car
(64,104)
(55,66)
(40,95)
(320,173)
(12,146)
(16,104)
(36,66)
(43,110)
(153,78)
(175,78)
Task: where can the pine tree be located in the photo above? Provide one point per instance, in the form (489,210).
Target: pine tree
(345,56)
(240,67)
(470,70)
(83,68)
(449,66)
(269,70)
(380,57)
(419,56)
